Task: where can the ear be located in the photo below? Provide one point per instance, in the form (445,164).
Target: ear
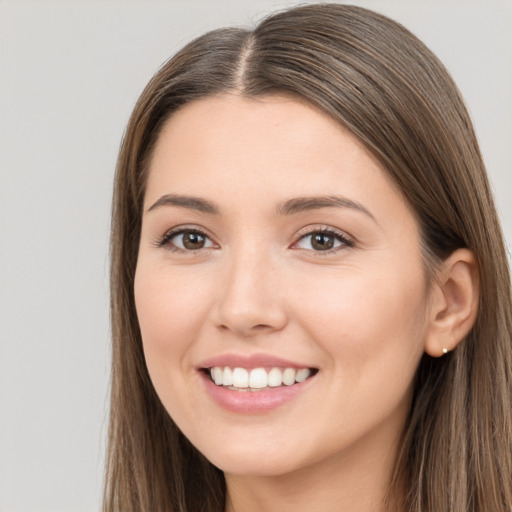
(454,302)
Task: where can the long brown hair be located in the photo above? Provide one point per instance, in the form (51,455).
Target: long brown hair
(379,81)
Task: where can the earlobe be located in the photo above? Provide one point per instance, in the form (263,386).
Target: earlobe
(454,303)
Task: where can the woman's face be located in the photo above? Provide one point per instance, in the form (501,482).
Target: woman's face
(274,246)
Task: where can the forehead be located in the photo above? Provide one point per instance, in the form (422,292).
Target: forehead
(209,124)
(226,146)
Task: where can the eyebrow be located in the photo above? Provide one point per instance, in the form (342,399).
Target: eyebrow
(190,202)
(302,204)
(290,207)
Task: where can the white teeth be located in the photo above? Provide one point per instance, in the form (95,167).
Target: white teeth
(302,374)
(227,378)
(289,376)
(217,375)
(275,377)
(240,378)
(257,378)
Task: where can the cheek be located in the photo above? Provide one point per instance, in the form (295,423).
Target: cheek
(372,332)
(169,309)
(364,318)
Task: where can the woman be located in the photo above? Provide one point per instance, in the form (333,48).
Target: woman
(310,295)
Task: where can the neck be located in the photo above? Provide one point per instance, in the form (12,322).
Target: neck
(354,481)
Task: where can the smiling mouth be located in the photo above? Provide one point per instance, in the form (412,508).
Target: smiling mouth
(257,379)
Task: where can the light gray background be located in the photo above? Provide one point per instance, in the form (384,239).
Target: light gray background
(70,72)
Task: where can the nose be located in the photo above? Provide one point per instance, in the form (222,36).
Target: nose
(251,299)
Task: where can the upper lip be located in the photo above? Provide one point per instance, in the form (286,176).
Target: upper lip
(250,361)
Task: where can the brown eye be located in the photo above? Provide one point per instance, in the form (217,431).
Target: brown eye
(186,240)
(322,241)
(193,241)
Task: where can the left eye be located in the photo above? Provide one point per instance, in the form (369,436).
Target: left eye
(189,240)
(322,241)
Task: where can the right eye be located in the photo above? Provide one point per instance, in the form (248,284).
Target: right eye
(186,240)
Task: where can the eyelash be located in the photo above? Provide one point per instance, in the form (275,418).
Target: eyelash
(167,238)
(345,241)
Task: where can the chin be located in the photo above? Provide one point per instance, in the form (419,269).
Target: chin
(256,459)
(256,466)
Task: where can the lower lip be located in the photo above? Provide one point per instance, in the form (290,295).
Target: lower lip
(253,402)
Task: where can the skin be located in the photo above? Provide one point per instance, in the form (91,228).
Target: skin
(361,314)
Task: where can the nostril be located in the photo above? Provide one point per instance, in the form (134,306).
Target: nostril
(261,327)
(247,330)
(243,308)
